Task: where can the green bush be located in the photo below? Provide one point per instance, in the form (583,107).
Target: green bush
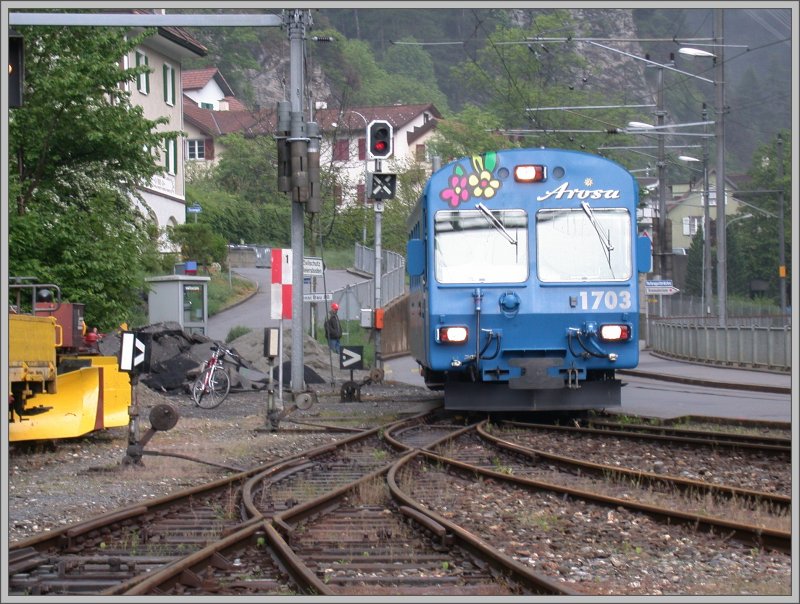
(236,332)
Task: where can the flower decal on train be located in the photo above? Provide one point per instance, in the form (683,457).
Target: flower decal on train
(457,192)
(480,183)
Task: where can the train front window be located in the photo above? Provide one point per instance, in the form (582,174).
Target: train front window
(583,244)
(481,246)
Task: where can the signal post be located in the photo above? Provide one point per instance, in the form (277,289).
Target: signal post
(382,185)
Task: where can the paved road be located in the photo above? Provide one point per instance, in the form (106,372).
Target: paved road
(667,388)
(254,312)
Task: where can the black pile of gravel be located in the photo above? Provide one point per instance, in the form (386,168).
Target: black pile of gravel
(176,357)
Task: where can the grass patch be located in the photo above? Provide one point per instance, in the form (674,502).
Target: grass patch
(223,293)
(338,259)
(236,332)
(354,335)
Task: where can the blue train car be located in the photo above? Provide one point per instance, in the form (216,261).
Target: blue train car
(524,271)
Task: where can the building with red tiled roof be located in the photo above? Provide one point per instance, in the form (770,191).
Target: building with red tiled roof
(204,127)
(344,130)
(208,89)
(159,94)
(343,147)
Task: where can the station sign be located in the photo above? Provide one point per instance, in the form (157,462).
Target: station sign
(660,287)
(312,266)
(317,297)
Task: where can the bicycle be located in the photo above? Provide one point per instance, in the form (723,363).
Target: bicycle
(213,383)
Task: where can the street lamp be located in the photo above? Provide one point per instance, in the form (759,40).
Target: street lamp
(707,276)
(694,52)
(719,133)
(365,201)
(737,218)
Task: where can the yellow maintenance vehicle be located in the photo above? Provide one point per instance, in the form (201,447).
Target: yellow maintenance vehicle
(60,386)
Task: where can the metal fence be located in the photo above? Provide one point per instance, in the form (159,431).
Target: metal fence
(755,334)
(768,348)
(352,298)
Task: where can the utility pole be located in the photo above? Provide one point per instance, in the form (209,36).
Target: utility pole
(295,21)
(663,247)
(707,273)
(719,82)
(378,272)
(781,244)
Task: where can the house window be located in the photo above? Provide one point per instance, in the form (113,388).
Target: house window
(143,79)
(337,195)
(692,224)
(419,153)
(206,105)
(362,148)
(195,149)
(171,156)
(341,150)
(169,84)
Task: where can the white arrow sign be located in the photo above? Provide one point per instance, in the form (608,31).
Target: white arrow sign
(349,357)
(128,359)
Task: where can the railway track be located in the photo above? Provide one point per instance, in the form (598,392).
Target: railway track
(727,462)
(367,515)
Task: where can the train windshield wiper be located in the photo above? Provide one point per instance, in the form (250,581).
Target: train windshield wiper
(605,240)
(496,223)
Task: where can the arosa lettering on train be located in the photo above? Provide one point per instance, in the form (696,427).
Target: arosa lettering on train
(564,191)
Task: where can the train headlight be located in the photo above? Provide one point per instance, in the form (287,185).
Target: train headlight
(615,333)
(530,173)
(452,335)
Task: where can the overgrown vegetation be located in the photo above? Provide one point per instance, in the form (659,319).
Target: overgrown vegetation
(78,152)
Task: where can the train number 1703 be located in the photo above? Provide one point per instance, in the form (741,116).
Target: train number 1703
(606,299)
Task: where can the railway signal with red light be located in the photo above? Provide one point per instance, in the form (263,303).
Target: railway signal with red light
(379,139)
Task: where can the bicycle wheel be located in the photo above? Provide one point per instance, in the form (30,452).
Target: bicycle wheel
(216,390)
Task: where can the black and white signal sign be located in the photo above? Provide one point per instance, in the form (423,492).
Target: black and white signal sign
(382,185)
(134,352)
(351,358)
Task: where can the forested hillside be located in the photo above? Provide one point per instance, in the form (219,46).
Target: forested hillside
(462,57)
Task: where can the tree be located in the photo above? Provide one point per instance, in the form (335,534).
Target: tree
(78,153)
(199,242)
(248,168)
(470,132)
(98,252)
(756,253)
(77,125)
(694,266)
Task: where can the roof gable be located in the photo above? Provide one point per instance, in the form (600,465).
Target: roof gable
(196,79)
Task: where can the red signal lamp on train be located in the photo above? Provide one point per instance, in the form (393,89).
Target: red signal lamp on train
(530,173)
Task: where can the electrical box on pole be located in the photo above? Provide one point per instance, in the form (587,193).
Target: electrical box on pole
(282,140)
(379,139)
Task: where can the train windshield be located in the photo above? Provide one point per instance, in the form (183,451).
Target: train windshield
(583,244)
(481,246)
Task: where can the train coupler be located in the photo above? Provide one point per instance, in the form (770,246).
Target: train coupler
(572,378)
